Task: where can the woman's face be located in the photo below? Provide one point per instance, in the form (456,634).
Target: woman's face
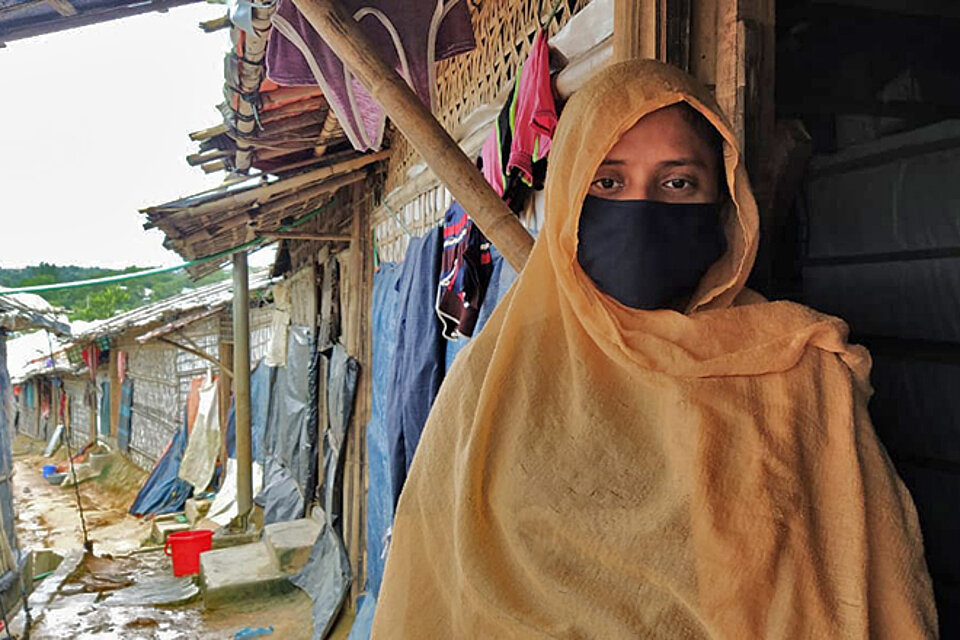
(661,158)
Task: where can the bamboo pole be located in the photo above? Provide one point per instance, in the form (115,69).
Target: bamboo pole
(241,382)
(321,237)
(342,33)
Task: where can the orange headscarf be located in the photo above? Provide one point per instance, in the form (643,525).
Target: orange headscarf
(594,471)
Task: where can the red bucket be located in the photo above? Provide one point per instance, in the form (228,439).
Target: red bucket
(185,548)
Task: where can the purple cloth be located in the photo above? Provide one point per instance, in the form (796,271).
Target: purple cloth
(410,35)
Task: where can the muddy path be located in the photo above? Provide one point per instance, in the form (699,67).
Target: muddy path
(47,517)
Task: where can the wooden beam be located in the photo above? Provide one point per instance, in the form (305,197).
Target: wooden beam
(209,132)
(291,235)
(208,156)
(264,193)
(213,167)
(461,176)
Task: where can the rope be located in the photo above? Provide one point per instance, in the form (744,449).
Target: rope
(553,14)
(73,470)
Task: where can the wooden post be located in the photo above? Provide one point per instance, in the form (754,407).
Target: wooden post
(241,382)
(634,29)
(358,345)
(745,85)
(342,33)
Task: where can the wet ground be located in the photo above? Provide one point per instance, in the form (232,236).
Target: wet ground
(90,602)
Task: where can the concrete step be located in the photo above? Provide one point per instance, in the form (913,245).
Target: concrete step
(164,526)
(291,542)
(243,572)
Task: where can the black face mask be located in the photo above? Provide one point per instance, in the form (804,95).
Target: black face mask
(648,255)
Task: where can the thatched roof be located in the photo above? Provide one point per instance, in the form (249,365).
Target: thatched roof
(194,305)
(27,18)
(22,311)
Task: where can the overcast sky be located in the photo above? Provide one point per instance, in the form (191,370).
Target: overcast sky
(94,126)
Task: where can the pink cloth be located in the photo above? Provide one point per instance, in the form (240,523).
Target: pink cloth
(536,114)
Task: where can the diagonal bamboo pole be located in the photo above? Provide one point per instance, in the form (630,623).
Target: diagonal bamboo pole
(428,137)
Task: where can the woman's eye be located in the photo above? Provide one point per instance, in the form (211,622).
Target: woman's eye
(677,184)
(606,183)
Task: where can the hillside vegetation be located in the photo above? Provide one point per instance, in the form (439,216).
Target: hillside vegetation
(103,301)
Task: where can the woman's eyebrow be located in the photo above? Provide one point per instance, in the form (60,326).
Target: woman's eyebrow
(682,162)
(612,161)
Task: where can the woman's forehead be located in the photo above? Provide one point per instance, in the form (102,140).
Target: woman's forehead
(666,134)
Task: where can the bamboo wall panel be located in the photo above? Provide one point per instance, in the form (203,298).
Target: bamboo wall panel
(76,389)
(204,336)
(155,412)
(504,31)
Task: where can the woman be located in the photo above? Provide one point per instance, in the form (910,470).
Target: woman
(636,446)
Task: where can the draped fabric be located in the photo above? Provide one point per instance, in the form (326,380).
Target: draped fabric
(590,470)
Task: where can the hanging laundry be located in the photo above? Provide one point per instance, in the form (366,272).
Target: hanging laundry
(409,36)
(418,364)
(126,415)
(203,446)
(513,157)
(91,357)
(464,273)
(121,365)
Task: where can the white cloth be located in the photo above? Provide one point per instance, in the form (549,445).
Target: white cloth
(224,507)
(203,447)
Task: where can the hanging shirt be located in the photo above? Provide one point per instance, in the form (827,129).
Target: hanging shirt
(464,273)
(409,36)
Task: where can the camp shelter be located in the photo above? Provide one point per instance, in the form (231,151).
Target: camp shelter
(38,363)
(845,109)
(20,312)
(153,352)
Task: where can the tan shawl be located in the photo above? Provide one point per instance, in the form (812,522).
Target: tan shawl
(594,471)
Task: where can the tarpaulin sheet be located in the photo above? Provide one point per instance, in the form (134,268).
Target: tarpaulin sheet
(916,407)
(917,299)
(383,326)
(343,371)
(898,193)
(164,491)
(126,414)
(326,578)
(287,444)
(420,353)
(260,380)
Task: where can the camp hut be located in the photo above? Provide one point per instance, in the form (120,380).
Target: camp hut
(141,363)
(20,312)
(39,365)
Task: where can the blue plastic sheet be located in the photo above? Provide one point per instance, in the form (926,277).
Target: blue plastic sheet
(363,623)
(420,354)
(164,491)
(260,380)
